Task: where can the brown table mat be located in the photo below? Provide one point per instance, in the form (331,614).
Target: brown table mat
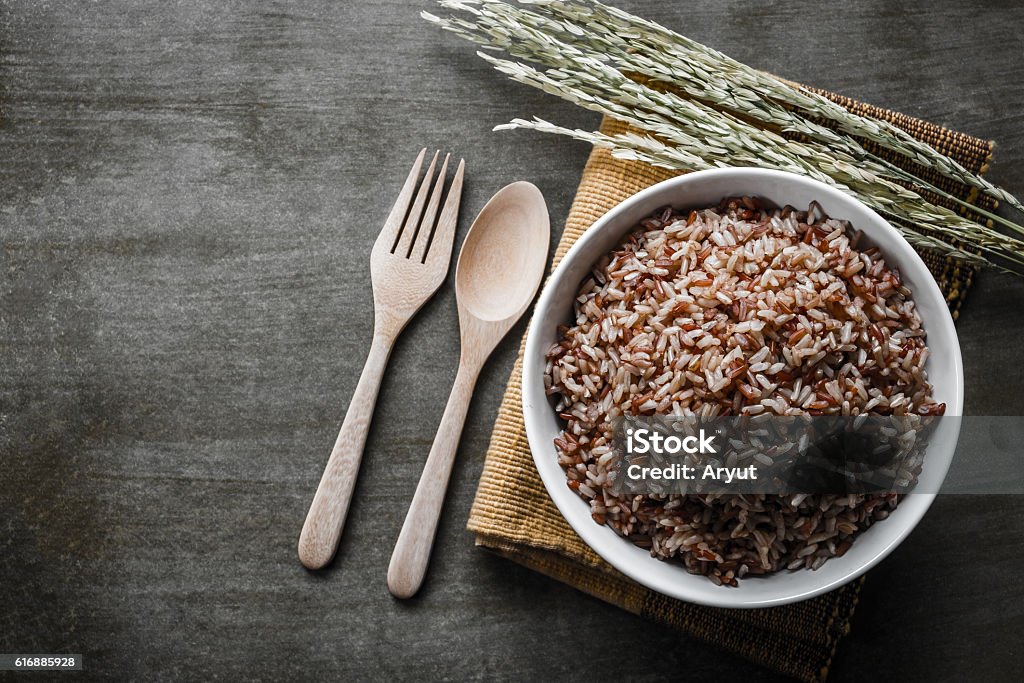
(513,515)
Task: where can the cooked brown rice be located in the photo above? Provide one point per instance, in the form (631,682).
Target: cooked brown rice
(735,309)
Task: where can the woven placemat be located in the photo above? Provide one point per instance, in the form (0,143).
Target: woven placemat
(513,515)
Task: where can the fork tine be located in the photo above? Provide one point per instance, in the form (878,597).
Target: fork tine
(392,229)
(440,244)
(408,237)
(426,228)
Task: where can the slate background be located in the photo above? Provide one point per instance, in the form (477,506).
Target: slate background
(188,199)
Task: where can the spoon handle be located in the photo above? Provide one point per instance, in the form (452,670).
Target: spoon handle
(412,552)
(326,517)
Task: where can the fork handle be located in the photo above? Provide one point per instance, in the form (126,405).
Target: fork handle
(326,517)
(412,551)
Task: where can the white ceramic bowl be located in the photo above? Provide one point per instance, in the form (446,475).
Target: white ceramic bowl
(707,188)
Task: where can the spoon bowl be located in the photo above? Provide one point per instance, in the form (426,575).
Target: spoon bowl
(498,270)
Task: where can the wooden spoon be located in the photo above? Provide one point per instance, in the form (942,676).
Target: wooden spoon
(500,267)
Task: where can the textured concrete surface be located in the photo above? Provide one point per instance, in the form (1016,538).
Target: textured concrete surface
(189,195)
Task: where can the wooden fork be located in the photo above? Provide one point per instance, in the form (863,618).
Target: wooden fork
(408,263)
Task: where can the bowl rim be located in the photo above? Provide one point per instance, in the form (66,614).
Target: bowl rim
(594,535)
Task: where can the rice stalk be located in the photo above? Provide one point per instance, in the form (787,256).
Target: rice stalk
(654,37)
(547,40)
(729,141)
(725,114)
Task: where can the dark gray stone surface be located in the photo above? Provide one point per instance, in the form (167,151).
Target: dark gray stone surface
(189,195)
